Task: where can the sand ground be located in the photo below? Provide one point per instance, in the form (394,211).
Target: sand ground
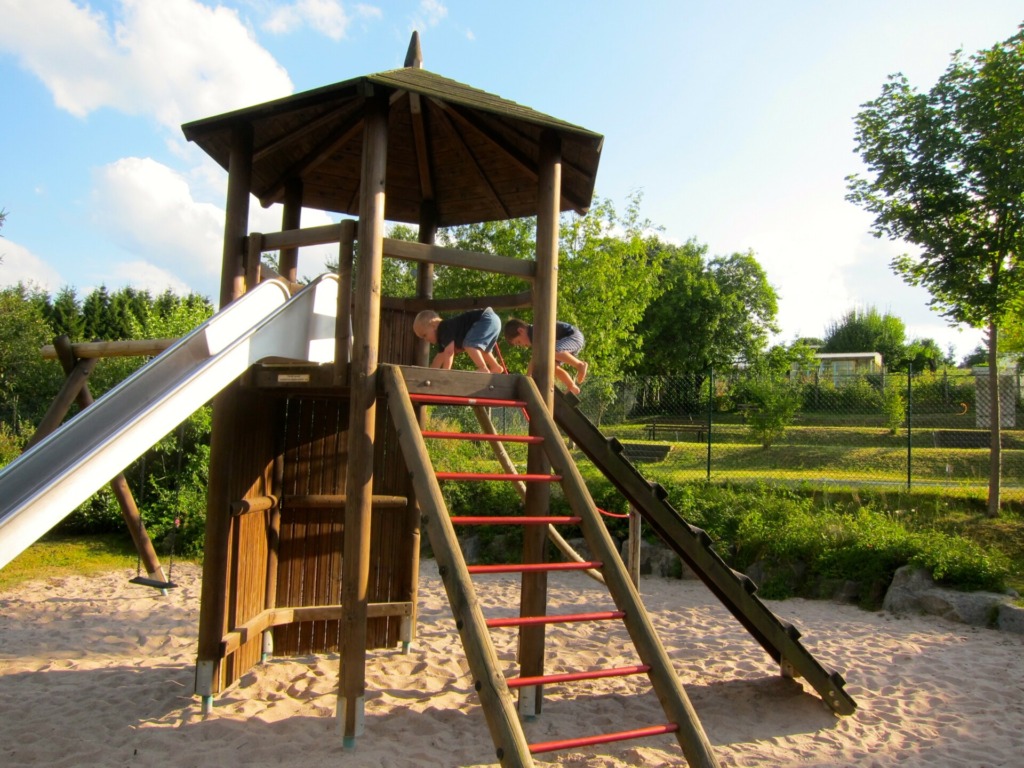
(98,672)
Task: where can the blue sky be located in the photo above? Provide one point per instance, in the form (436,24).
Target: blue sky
(733,118)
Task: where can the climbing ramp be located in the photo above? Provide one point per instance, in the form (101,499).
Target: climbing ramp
(735,590)
(407,387)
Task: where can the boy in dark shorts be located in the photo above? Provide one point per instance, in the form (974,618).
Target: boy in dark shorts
(569,343)
(474,332)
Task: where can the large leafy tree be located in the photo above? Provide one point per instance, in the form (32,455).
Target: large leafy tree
(712,313)
(946,174)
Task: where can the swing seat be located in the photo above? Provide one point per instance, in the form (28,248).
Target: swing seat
(155,583)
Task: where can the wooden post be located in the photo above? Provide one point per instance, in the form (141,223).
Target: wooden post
(425,274)
(633,561)
(362,415)
(119,485)
(253,255)
(512,749)
(215,585)
(545,300)
(424,290)
(69,392)
(668,689)
(291,218)
(343,317)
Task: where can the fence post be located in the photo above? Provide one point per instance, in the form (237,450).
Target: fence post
(910,413)
(711,403)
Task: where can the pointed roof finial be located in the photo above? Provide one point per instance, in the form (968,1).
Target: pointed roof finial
(414,57)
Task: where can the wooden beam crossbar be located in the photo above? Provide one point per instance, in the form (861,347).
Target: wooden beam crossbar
(277,617)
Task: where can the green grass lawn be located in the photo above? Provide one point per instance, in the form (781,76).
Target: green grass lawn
(57,556)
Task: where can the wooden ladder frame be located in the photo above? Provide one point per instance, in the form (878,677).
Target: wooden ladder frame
(512,748)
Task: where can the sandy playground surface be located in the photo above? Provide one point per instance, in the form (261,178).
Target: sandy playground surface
(95,671)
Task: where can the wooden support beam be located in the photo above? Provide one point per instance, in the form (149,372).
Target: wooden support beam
(277,617)
(333,501)
(545,301)
(216,585)
(255,504)
(118,484)
(693,740)
(343,315)
(96,349)
(300,238)
(291,218)
(453,257)
(69,392)
(463,303)
(362,419)
(490,685)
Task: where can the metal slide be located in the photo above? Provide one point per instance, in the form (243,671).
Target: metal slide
(51,479)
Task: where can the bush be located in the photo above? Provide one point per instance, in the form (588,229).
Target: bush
(803,545)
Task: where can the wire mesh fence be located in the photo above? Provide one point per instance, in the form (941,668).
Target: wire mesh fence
(908,430)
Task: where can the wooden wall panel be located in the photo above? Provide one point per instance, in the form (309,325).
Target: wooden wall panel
(315,440)
(251,469)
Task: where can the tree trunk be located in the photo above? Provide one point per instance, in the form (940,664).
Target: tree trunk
(996,454)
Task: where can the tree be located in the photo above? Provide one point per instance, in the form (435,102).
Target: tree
(712,314)
(925,355)
(27,381)
(868,331)
(947,176)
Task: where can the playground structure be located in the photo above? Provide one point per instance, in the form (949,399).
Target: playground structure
(320,479)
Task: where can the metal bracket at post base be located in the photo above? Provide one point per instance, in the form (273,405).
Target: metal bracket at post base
(349,742)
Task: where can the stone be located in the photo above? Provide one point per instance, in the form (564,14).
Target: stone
(913,591)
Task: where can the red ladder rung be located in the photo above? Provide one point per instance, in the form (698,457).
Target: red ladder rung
(532,439)
(454,400)
(564,618)
(513,520)
(604,738)
(534,567)
(569,677)
(526,478)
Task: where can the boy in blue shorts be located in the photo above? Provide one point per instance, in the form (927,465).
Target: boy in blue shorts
(568,344)
(474,332)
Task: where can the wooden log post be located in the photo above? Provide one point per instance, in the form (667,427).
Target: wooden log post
(76,380)
(343,317)
(291,218)
(362,416)
(634,546)
(425,291)
(216,549)
(538,495)
(118,484)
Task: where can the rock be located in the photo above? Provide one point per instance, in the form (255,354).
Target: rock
(1011,618)
(658,560)
(913,591)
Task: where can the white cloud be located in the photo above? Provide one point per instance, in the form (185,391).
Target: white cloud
(144,276)
(173,60)
(148,210)
(429,14)
(328,17)
(19,265)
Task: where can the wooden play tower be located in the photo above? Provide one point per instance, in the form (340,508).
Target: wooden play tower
(320,481)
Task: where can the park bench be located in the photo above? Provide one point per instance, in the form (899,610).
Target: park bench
(644,453)
(674,430)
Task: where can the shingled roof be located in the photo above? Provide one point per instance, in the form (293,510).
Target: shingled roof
(474,154)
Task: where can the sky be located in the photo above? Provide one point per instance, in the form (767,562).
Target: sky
(733,119)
